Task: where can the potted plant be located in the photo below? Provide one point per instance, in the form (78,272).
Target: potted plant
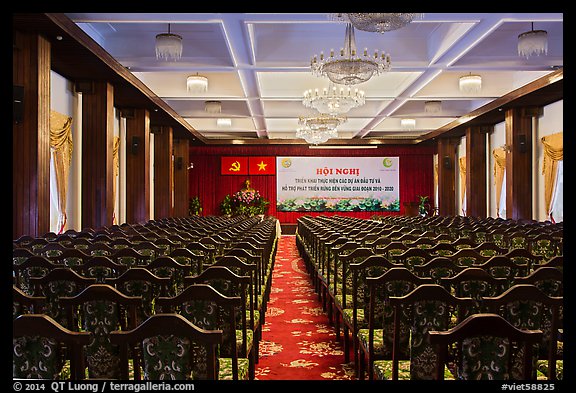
(226,206)
(194,206)
(423,205)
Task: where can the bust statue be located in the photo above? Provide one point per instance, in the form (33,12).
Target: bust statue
(247,186)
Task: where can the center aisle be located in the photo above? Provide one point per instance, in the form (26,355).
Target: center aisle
(298,342)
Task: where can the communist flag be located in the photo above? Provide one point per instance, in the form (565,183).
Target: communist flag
(234,166)
(262,165)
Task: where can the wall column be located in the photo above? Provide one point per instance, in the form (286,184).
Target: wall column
(31,135)
(447,176)
(97,153)
(138,167)
(181,160)
(476,191)
(519,164)
(163,171)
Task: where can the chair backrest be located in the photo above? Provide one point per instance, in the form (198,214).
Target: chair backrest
(438,267)
(102,309)
(167,266)
(208,309)
(41,346)
(32,266)
(193,259)
(57,283)
(71,257)
(171,348)
(22,303)
(101,268)
(484,343)
(502,267)
(397,281)
(527,307)
(129,257)
(139,281)
(427,307)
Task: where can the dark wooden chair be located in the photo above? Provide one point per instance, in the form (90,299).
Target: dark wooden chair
(376,341)
(427,307)
(192,259)
(33,331)
(230,284)
(22,303)
(482,350)
(57,283)
(437,268)
(476,283)
(141,282)
(129,257)
(102,309)
(524,259)
(208,309)
(167,266)
(33,266)
(501,266)
(71,257)
(100,268)
(172,348)
(528,308)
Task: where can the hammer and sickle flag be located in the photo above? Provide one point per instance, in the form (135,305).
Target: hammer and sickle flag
(234,165)
(262,165)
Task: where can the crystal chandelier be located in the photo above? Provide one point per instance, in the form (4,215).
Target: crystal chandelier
(377,22)
(332,100)
(470,84)
(350,68)
(319,129)
(197,84)
(315,137)
(533,42)
(168,46)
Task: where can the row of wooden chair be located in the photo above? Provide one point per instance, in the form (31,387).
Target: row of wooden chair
(220,274)
(342,254)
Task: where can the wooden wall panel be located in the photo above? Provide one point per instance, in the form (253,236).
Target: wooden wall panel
(97,155)
(476,191)
(447,176)
(31,137)
(163,173)
(181,151)
(519,165)
(138,167)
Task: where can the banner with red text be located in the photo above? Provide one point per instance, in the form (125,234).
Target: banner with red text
(234,165)
(337,184)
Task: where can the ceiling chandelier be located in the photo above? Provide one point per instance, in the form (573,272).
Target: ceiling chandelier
(332,100)
(319,129)
(533,42)
(350,68)
(197,84)
(377,22)
(315,137)
(168,46)
(470,84)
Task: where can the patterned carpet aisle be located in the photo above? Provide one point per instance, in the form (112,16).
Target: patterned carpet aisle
(297,342)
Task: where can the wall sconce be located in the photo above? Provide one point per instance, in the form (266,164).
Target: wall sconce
(190,166)
(447,162)
(135,144)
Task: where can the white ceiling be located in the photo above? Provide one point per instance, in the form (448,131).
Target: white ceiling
(258,66)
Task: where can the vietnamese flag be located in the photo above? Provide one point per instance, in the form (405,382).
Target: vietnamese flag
(234,166)
(262,165)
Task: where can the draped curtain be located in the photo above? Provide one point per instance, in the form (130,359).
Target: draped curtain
(462,161)
(116,161)
(553,152)
(61,153)
(499,171)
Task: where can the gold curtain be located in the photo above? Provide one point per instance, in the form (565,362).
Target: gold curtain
(116,161)
(61,149)
(462,161)
(553,152)
(499,171)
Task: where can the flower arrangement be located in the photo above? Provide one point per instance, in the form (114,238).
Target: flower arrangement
(246,202)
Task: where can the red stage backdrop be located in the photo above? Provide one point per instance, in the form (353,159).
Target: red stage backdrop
(209,181)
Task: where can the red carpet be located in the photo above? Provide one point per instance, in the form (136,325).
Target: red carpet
(298,343)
